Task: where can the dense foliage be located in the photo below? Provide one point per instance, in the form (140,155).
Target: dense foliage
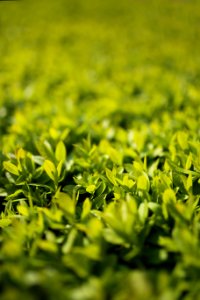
(100,150)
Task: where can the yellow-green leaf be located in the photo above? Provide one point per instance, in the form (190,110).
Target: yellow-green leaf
(169,196)
(60,151)
(11,168)
(143,211)
(91,188)
(47,246)
(59,167)
(143,183)
(4,223)
(189,182)
(65,202)
(182,139)
(111,177)
(21,153)
(188,162)
(86,208)
(50,169)
(23,210)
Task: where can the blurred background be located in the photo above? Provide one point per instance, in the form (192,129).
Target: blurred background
(89,59)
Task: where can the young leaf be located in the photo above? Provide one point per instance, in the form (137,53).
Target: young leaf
(65,202)
(189,182)
(169,196)
(111,177)
(5,222)
(143,182)
(50,169)
(143,211)
(23,210)
(86,208)
(182,139)
(11,168)
(59,168)
(60,151)
(47,246)
(91,188)
(45,150)
(188,162)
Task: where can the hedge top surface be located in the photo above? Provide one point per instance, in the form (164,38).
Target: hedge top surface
(100,150)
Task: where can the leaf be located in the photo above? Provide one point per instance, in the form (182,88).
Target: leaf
(50,169)
(60,152)
(86,208)
(3,192)
(101,188)
(182,138)
(21,153)
(23,210)
(44,148)
(115,156)
(11,168)
(111,177)
(143,211)
(94,228)
(169,196)
(91,188)
(155,207)
(182,170)
(16,194)
(78,263)
(188,162)
(138,167)
(47,246)
(189,183)
(5,222)
(143,183)
(99,201)
(65,202)
(59,168)
(128,182)
(66,248)
(112,237)
(91,251)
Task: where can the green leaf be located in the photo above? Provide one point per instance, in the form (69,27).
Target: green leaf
(50,169)
(112,237)
(189,183)
(11,168)
(91,188)
(59,168)
(23,210)
(111,177)
(115,156)
(5,222)
(188,162)
(169,196)
(128,182)
(45,150)
(91,251)
(101,188)
(143,211)
(47,246)
(182,138)
(155,207)
(66,248)
(3,192)
(86,208)
(65,202)
(60,152)
(143,183)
